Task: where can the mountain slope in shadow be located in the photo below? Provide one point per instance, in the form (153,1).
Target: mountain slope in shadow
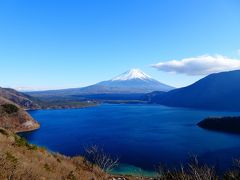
(219,91)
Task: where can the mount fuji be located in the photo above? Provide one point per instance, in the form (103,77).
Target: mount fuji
(135,81)
(131,82)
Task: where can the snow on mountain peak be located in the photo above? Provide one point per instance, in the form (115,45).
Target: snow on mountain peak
(132,74)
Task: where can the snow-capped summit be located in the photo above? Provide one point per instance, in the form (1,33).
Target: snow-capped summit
(132,74)
(132,81)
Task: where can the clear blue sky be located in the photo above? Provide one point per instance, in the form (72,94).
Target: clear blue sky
(73,43)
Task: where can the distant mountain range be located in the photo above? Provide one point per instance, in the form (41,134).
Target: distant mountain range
(130,82)
(220,91)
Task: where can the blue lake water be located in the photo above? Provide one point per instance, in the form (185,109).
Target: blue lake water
(140,135)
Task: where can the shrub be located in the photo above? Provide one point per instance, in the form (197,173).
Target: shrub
(47,167)
(11,158)
(71,176)
(22,142)
(9,108)
(4,132)
(32,147)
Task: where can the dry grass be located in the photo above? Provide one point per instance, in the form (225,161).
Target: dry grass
(193,171)
(19,161)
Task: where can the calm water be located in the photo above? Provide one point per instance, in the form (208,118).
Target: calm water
(141,135)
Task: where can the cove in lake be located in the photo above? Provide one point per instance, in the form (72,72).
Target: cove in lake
(140,135)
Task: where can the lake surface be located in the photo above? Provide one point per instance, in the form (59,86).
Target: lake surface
(140,135)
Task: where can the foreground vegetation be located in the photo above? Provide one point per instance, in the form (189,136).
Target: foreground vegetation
(23,161)
(196,171)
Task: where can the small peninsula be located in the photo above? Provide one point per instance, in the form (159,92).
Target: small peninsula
(223,124)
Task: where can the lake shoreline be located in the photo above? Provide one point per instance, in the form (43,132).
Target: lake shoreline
(85,126)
